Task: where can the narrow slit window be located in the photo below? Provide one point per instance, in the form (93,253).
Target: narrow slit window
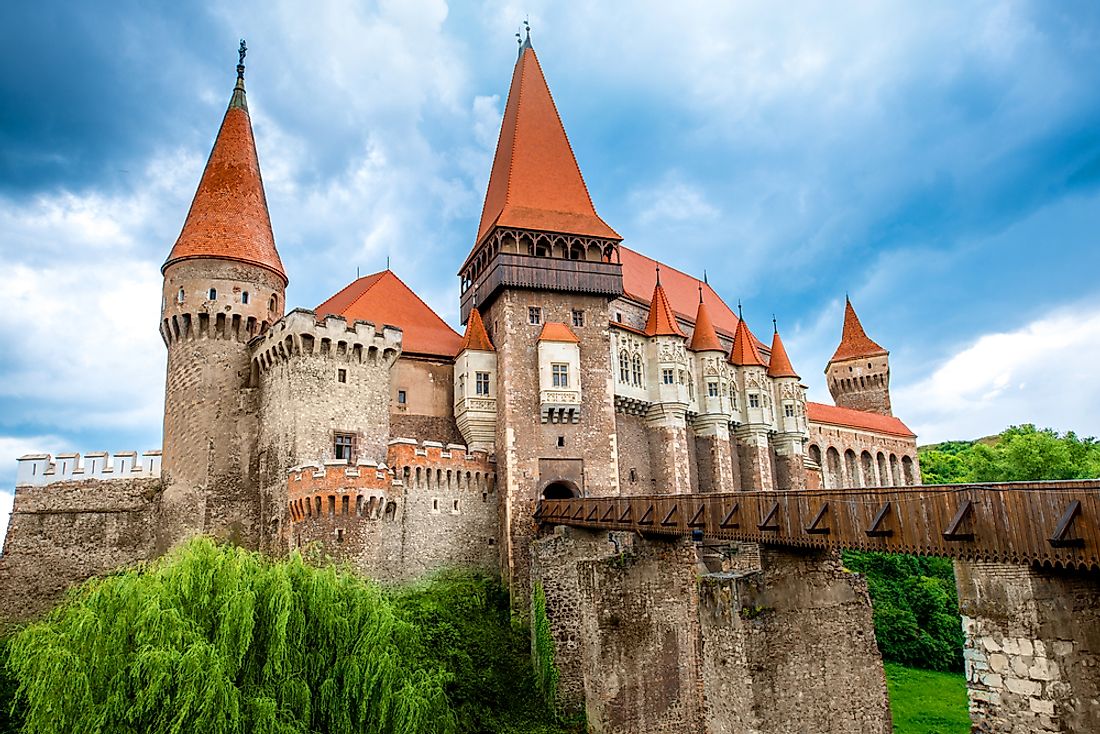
(212,295)
(341,375)
(179,296)
(402,397)
(244,297)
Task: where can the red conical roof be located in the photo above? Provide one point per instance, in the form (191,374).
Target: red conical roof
(661,320)
(704,338)
(476,337)
(854,342)
(535,182)
(228,217)
(744,352)
(780,365)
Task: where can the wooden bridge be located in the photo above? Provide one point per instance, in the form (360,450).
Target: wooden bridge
(1053,524)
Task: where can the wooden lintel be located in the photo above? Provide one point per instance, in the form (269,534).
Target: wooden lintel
(955,530)
(727,520)
(816,527)
(768,523)
(668,516)
(1061,537)
(877,530)
(698,520)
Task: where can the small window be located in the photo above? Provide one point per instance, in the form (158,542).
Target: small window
(179,296)
(454,505)
(339,535)
(273,304)
(712,389)
(435,505)
(244,297)
(341,375)
(578,318)
(534,315)
(868,365)
(342,445)
(561,441)
(754,400)
(624,367)
(482,384)
(402,397)
(212,295)
(633,475)
(560,374)
(636,369)
(788,410)
(619,316)
(668,376)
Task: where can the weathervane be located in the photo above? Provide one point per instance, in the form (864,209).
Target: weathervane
(740,317)
(240,62)
(524,42)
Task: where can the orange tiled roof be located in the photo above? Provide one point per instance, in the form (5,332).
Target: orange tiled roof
(535,181)
(744,352)
(661,321)
(854,342)
(228,217)
(851,418)
(780,364)
(476,337)
(382,298)
(556,331)
(704,338)
(681,289)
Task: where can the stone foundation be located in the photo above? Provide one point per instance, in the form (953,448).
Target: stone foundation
(1032,650)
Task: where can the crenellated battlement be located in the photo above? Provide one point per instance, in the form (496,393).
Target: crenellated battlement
(36,470)
(301,332)
(332,488)
(228,325)
(434,465)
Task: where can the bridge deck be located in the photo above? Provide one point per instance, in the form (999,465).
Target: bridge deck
(1050,523)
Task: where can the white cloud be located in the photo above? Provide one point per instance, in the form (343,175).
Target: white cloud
(1043,373)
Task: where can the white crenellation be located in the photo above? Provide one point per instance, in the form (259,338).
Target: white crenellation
(35,470)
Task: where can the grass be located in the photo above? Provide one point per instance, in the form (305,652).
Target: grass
(926,701)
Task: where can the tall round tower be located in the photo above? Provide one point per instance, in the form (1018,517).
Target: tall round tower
(859,372)
(223,284)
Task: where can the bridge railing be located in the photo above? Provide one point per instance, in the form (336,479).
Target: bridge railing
(1050,523)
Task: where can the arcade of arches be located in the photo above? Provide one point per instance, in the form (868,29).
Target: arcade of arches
(851,460)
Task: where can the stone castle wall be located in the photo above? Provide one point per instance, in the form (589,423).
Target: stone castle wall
(433,507)
(63,533)
(854,458)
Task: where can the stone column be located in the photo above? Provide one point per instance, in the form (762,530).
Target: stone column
(790,648)
(755,455)
(790,468)
(713,455)
(1032,649)
(668,448)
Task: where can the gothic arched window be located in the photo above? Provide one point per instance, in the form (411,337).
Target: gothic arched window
(636,369)
(624,367)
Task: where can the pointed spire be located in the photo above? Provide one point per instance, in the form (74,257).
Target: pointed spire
(780,365)
(854,342)
(661,320)
(525,43)
(535,182)
(744,352)
(228,217)
(704,338)
(476,337)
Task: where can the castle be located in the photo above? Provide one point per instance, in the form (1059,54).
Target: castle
(369,427)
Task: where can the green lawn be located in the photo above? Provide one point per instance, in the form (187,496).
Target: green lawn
(927,702)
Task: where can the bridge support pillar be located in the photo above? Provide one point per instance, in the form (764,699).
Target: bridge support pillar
(622,611)
(1032,649)
(789,648)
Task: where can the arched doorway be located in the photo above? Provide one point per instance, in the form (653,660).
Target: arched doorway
(559,490)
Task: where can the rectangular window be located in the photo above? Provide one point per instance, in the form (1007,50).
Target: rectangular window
(561,441)
(788,410)
(578,318)
(534,315)
(244,298)
(402,397)
(712,389)
(341,375)
(619,316)
(560,374)
(482,383)
(342,445)
(668,376)
(754,400)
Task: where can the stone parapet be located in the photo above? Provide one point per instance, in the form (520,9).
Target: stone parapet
(41,469)
(302,332)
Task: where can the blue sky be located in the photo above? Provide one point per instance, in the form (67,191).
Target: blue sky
(938,161)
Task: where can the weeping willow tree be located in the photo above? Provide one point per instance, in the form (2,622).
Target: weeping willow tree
(216,639)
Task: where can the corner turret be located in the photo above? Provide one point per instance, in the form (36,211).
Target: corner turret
(859,372)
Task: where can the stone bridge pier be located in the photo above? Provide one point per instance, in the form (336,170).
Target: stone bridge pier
(648,641)
(1032,649)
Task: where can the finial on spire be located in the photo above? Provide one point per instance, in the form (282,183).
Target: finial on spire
(524,41)
(740,317)
(705,277)
(700,294)
(658,266)
(775,325)
(240,61)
